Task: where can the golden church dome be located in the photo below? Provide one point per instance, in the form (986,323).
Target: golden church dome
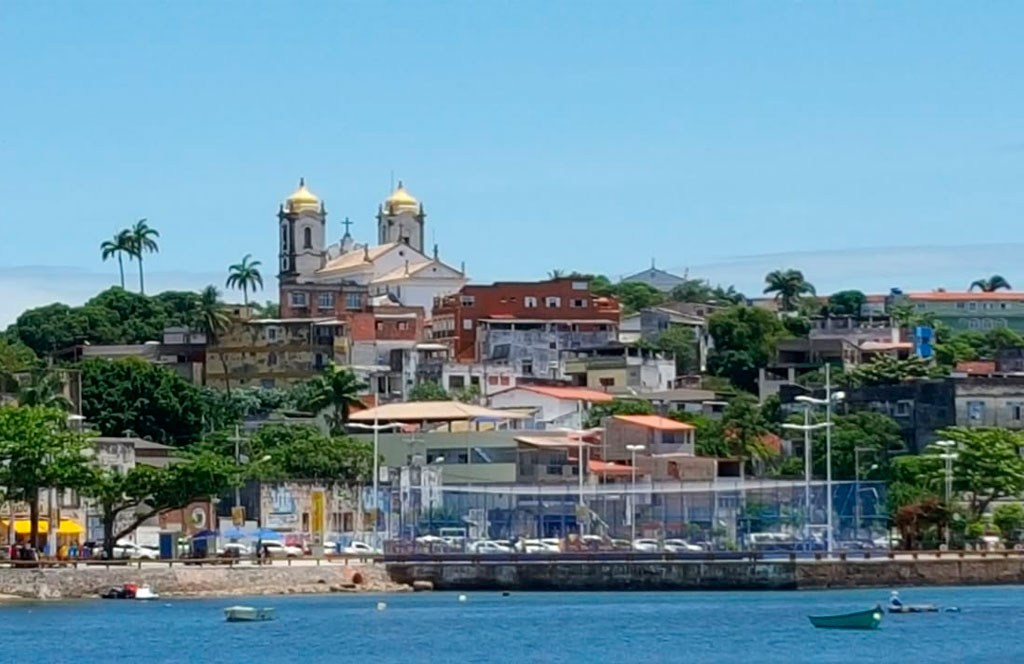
(401,200)
(303,199)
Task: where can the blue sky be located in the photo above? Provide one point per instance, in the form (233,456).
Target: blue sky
(871,144)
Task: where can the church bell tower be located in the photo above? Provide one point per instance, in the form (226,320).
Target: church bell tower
(401,219)
(302,231)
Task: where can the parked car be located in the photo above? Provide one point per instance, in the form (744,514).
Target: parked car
(680,546)
(124,549)
(645,545)
(621,545)
(276,549)
(489,546)
(360,547)
(540,546)
(233,550)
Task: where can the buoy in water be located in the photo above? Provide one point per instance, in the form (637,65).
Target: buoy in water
(505,594)
(462,598)
(381,606)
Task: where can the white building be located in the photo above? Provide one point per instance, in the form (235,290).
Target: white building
(559,407)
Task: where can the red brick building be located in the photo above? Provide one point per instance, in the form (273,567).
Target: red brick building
(524,324)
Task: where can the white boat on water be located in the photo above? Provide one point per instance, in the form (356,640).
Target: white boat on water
(145,592)
(247,614)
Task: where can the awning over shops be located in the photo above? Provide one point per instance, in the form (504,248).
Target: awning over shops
(24,527)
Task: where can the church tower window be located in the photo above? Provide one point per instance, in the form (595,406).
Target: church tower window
(307,238)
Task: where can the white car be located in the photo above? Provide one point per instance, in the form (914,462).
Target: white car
(234,550)
(360,547)
(645,545)
(488,546)
(276,549)
(680,546)
(540,546)
(131,550)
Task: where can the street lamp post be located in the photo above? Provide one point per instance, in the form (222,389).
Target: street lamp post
(856,483)
(807,428)
(830,398)
(633,449)
(948,457)
(376,428)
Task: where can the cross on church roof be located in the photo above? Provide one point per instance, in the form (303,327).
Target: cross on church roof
(346,224)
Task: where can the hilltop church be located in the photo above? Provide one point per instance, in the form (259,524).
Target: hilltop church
(317,278)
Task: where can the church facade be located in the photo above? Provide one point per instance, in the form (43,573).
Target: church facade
(317,278)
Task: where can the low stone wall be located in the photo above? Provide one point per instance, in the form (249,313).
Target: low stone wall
(948,571)
(62,583)
(569,575)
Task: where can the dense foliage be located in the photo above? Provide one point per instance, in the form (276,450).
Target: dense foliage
(744,341)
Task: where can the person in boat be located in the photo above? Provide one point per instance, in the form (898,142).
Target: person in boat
(894,600)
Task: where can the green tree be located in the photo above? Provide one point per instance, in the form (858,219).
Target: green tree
(118,247)
(43,388)
(428,391)
(617,407)
(142,242)
(245,276)
(709,438)
(888,370)
(636,295)
(990,285)
(846,303)
(15,358)
(680,342)
(877,435)
(212,319)
(180,307)
(1009,518)
(745,430)
(337,389)
(692,290)
(988,467)
(131,317)
(302,452)
(744,341)
(126,500)
(38,451)
(788,286)
(133,397)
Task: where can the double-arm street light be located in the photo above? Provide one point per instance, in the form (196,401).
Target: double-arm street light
(830,399)
(948,457)
(633,449)
(807,428)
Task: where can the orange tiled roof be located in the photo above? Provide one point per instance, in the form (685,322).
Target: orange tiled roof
(612,468)
(655,422)
(569,393)
(943,296)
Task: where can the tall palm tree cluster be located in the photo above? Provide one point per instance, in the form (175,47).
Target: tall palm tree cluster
(133,242)
(245,276)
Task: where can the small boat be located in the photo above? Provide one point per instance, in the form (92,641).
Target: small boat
(858,620)
(145,592)
(896,605)
(248,614)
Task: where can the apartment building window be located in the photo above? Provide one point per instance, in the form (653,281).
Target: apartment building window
(578,303)
(986,305)
(986,323)
(552,302)
(1004,305)
(921,306)
(467,300)
(903,408)
(974,324)
(972,305)
(530,302)
(380,326)
(526,367)
(271,334)
(271,359)
(579,285)
(348,522)
(299,299)
(1001,322)
(353,301)
(467,323)
(975,412)
(1016,410)
(960,305)
(403,325)
(325,301)
(606,382)
(456,382)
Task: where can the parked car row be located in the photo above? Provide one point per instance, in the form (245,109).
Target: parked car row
(585,543)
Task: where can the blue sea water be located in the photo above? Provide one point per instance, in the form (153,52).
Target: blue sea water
(761,627)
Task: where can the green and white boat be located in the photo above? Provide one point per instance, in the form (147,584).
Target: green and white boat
(247,614)
(858,620)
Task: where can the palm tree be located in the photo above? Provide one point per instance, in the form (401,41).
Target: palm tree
(556,274)
(245,275)
(43,388)
(990,285)
(120,245)
(212,320)
(142,242)
(788,286)
(336,388)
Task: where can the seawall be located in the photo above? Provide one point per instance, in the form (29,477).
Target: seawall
(180,580)
(579,575)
